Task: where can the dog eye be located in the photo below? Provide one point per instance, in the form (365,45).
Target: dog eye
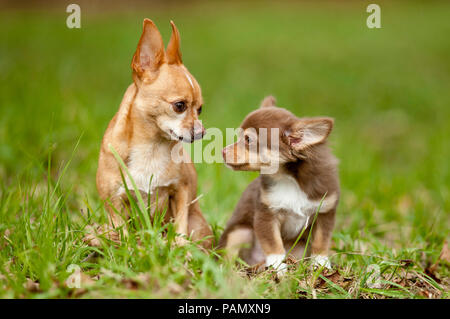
(247,139)
(199,111)
(179,106)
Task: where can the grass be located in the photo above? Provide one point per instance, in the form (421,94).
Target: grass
(386,88)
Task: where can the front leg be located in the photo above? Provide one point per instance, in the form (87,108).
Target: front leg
(321,238)
(180,209)
(267,231)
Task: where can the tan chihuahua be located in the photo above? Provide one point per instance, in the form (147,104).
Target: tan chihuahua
(158,112)
(277,206)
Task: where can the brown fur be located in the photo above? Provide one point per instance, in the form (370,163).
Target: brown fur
(305,158)
(147,128)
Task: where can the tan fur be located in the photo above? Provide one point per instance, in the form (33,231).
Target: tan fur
(145,131)
(237,239)
(276,207)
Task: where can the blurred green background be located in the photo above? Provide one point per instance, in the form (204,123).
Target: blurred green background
(388,90)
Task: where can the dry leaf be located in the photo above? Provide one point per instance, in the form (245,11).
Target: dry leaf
(86,280)
(174,288)
(255,269)
(406,262)
(333,276)
(130,283)
(141,281)
(431,272)
(134,283)
(425,289)
(32,286)
(443,256)
(445,253)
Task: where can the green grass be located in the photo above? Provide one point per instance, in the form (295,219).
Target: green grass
(388,90)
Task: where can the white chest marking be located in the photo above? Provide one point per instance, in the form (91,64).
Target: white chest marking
(147,163)
(286,195)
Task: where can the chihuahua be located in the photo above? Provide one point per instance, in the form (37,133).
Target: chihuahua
(278,205)
(158,112)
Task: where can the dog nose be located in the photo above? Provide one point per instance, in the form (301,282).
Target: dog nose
(223,153)
(197,134)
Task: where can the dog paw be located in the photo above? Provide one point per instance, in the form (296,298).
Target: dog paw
(276,261)
(180,241)
(95,232)
(321,261)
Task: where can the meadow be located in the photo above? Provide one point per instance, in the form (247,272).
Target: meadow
(388,90)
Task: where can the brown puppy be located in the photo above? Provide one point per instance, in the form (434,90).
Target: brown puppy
(277,205)
(158,111)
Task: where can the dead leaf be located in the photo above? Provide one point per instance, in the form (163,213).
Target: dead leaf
(141,281)
(254,270)
(32,286)
(406,262)
(431,272)
(425,293)
(130,283)
(333,276)
(134,283)
(443,256)
(445,253)
(291,260)
(425,289)
(175,288)
(86,280)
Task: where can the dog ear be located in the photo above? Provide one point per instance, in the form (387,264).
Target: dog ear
(173,48)
(268,101)
(309,132)
(149,54)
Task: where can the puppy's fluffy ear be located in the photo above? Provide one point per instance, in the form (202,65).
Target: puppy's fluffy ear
(268,101)
(173,48)
(309,132)
(149,53)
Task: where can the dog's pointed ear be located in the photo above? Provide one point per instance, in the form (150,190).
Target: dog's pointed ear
(309,132)
(149,54)
(173,48)
(268,101)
